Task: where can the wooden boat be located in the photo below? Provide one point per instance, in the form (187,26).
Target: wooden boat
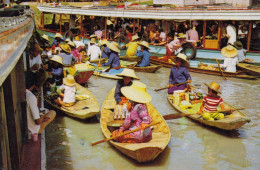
(142,152)
(148,69)
(82,109)
(249,68)
(102,60)
(134,58)
(230,122)
(216,71)
(106,75)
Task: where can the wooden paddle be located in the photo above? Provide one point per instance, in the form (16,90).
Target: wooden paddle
(221,71)
(180,115)
(131,131)
(168,86)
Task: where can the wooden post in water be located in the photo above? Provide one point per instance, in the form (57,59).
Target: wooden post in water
(42,19)
(60,22)
(220,25)
(204,32)
(106,28)
(249,35)
(166,30)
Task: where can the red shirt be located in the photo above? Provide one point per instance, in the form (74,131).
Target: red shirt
(211,103)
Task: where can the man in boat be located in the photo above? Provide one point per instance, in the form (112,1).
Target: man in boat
(93,50)
(241,52)
(36,121)
(144,54)
(74,51)
(212,100)
(179,74)
(104,49)
(192,36)
(132,46)
(113,61)
(56,42)
(231,60)
(139,116)
(128,77)
(67,58)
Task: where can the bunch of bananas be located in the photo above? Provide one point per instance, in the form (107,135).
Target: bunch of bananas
(213,116)
(81,97)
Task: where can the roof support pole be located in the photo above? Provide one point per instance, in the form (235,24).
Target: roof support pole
(220,23)
(249,35)
(60,22)
(106,28)
(204,32)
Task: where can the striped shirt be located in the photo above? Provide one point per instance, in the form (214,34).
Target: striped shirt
(211,103)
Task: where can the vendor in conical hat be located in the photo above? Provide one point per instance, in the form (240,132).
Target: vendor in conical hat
(56,70)
(231,60)
(128,76)
(144,54)
(132,46)
(179,74)
(113,61)
(139,116)
(67,58)
(74,51)
(104,49)
(212,99)
(57,40)
(241,52)
(93,50)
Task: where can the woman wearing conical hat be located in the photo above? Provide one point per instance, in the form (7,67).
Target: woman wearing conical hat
(231,60)
(212,100)
(139,116)
(57,40)
(179,74)
(67,58)
(56,70)
(132,46)
(104,49)
(144,54)
(113,61)
(74,51)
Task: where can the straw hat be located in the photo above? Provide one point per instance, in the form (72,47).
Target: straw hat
(144,43)
(67,40)
(109,22)
(181,35)
(113,46)
(229,51)
(104,42)
(135,37)
(136,92)
(183,57)
(65,47)
(238,45)
(93,41)
(76,38)
(57,59)
(58,35)
(46,37)
(128,73)
(69,80)
(214,86)
(71,44)
(93,36)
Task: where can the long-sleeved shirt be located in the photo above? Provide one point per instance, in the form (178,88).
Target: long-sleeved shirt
(179,75)
(106,52)
(113,60)
(173,45)
(131,48)
(192,36)
(93,52)
(230,64)
(67,58)
(145,61)
(76,54)
(241,54)
(231,31)
(119,85)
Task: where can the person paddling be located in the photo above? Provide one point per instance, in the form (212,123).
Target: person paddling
(179,74)
(144,54)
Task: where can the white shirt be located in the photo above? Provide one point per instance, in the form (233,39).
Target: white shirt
(69,93)
(48,53)
(231,31)
(162,36)
(35,60)
(230,64)
(94,52)
(32,112)
(241,54)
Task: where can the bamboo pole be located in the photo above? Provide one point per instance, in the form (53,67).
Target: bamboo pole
(249,35)
(204,33)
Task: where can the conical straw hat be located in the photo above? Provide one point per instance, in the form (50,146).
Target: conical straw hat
(46,37)
(69,80)
(144,43)
(214,86)
(238,45)
(128,73)
(57,59)
(58,35)
(93,41)
(104,41)
(113,46)
(76,38)
(136,92)
(135,37)
(181,35)
(183,57)
(67,40)
(71,43)
(65,47)
(229,51)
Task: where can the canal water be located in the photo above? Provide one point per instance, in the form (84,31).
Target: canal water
(192,145)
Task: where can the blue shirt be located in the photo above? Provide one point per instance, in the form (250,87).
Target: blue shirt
(106,52)
(67,58)
(119,85)
(56,42)
(145,61)
(113,60)
(180,75)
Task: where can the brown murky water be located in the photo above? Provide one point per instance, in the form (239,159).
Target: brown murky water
(192,146)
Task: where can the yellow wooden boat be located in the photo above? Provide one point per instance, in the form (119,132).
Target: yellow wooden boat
(142,152)
(230,122)
(82,109)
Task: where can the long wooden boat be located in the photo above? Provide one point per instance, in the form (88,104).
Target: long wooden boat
(249,68)
(217,72)
(142,152)
(106,75)
(82,109)
(134,58)
(230,122)
(148,69)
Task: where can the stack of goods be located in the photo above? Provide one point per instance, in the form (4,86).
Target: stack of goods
(121,112)
(206,66)
(213,116)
